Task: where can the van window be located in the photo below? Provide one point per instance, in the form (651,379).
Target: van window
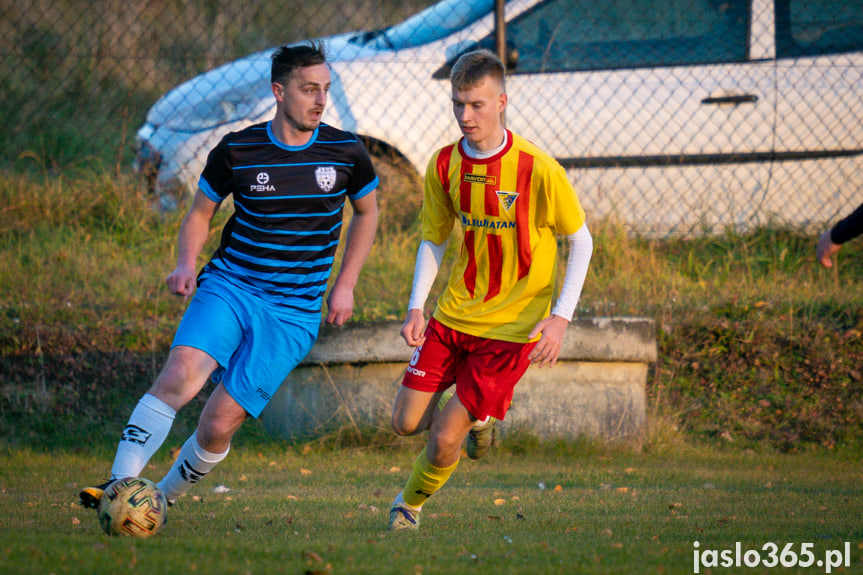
(570,35)
(818,27)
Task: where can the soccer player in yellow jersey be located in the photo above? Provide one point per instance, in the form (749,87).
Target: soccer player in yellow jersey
(495,318)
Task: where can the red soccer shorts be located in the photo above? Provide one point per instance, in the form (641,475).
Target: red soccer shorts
(485,371)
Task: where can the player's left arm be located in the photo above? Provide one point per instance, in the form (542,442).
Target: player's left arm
(358,245)
(553,327)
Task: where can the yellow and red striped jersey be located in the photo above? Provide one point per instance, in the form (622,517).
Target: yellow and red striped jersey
(510,208)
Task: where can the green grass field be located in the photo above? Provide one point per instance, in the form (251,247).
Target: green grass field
(572,509)
(754,430)
(753,435)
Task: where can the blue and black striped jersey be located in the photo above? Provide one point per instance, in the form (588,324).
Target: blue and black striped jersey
(281,240)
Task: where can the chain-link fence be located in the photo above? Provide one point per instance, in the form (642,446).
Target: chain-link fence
(672,116)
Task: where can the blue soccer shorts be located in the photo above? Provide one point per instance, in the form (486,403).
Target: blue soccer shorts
(256,343)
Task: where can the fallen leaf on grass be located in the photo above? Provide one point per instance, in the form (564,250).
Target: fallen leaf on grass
(558,488)
(495,518)
(76,521)
(371,508)
(304,471)
(499,501)
(395,469)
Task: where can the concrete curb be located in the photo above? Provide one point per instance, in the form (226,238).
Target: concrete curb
(352,374)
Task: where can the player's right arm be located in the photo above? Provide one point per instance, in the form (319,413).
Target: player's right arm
(437,217)
(429,257)
(193,235)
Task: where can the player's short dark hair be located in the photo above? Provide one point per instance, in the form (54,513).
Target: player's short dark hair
(288,58)
(472,67)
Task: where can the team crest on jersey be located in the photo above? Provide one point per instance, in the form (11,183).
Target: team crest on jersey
(326,177)
(507,199)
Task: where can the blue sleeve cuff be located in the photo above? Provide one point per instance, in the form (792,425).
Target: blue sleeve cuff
(365,190)
(205,187)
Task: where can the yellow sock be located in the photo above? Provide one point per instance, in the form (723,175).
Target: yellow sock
(425,479)
(444,399)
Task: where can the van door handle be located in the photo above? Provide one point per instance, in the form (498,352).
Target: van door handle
(739,99)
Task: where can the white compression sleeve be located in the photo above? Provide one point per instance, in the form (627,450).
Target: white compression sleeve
(148,427)
(580,251)
(429,257)
(193,464)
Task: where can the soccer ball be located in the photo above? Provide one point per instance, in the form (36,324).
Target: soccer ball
(132,506)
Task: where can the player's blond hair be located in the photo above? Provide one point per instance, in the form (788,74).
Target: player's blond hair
(472,67)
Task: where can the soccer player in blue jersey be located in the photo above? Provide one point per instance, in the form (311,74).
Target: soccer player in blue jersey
(257,303)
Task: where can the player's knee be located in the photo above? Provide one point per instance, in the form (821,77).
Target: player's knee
(446,440)
(400,429)
(403,427)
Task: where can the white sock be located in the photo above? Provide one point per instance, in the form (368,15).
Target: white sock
(147,429)
(192,464)
(480,423)
(400,501)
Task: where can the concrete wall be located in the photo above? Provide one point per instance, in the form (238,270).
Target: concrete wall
(352,374)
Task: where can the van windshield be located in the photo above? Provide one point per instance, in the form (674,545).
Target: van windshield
(433,23)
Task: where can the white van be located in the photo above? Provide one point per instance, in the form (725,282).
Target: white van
(673,116)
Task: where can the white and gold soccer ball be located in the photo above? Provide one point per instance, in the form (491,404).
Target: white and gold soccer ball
(132,506)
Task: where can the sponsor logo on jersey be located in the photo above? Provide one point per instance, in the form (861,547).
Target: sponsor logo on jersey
(491,224)
(480,179)
(263,394)
(326,177)
(263,184)
(507,199)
